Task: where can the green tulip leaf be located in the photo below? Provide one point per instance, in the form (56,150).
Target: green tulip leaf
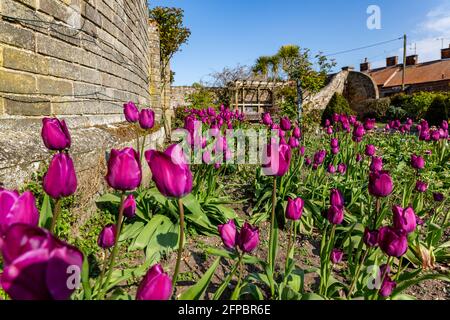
(197,291)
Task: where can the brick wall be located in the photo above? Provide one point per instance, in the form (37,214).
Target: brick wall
(77,58)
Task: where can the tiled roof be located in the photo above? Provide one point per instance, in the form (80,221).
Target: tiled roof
(420,73)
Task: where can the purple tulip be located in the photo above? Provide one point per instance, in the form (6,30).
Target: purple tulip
(358,133)
(336,256)
(60,179)
(335,215)
(404,219)
(380,184)
(370,237)
(387,286)
(444,124)
(131,112)
(55,134)
(435,135)
(156,285)
(417,162)
(335,150)
(107,237)
(308,161)
(296,133)
(211,112)
(438,197)
(329,130)
(421,186)
(189,123)
(16,208)
(327,123)
(170,171)
(336,198)
(335,117)
(129,207)
(37,266)
(424,135)
(331,169)
(369,124)
(285,124)
(334,143)
(293,142)
(359,158)
(124,169)
(267,119)
(228,234)
(370,150)
(248,238)
(147,119)
(277,161)
(319,157)
(392,241)
(342,168)
(294,209)
(376,164)
(301,150)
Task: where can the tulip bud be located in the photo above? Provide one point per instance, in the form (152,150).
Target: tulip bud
(342,168)
(293,142)
(392,241)
(124,170)
(359,158)
(327,123)
(376,164)
(438,197)
(107,237)
(370,237)
(156,285)
(336,198)
(228,234)
(276,162)
(336,256)
(335,215)
(370,150)
(267,119)
(421,186)
(60,179)
(417,162)
(55,134)
(319,157)
(308,161)
(129,207)
(369,124)
(329,130)
(296,133)
(335,150)
(170,171)
(15,208)
(334,143)
(380,184)
(147,119)
(294,209)
(285,124)
(387,287)
(404,219)
(131,112)
(331,169)
(248,238)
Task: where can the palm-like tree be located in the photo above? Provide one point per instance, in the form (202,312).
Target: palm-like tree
(261,66)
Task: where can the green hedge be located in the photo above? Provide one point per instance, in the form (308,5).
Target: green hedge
(338,104)
(416,105)
(439,110)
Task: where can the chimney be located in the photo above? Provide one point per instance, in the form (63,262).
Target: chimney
(348,68)
(412,60)
(365,66)
(445,53)
(391,61)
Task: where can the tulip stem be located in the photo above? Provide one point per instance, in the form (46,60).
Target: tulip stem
(115,249)
(238,284)
(383,276)
(288,253)
(181,243)
(358,270)
(377,212)
(272,225)
(56,213)
(141,154)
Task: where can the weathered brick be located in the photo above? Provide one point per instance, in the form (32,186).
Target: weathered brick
(34,20)
(17,37)
(56,9)
(15,82)
(62,69)
(1,56)
(66,108)
(55,48)
(54,87)
(24,61)
(90,75)
(91,13)
(2,106)
(27,106)
(30,3)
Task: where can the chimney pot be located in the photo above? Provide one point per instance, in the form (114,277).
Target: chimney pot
(365,66)
(391,61)
(412,60)
(445,53)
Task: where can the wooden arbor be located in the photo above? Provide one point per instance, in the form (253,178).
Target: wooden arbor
(254,97)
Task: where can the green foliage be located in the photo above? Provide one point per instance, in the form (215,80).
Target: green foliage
(439,110)
(202,97)
(396,113)
(338,104)
(376,108)
(415,105)
(288,97)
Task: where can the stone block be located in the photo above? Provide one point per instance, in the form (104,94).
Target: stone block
(54,87)
(25,61)
(15,82)
(63,69)
(16,36)
(27,106)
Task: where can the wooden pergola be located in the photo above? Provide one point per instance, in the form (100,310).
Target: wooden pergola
(254,97)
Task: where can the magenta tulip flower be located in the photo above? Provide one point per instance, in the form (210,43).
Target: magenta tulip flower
(248,238)
(38,266)
(55,134)
(294,209)
(335,215)
(293,142)
(417,162)
(107,237)
(147,119)
(267,119)
(370,150)
(380,184)
(329,130)
(319,157)
(129,207)
(370,237)
(376,164)
(392,241)
(336,256)
(156,285)
(334,143)
(342,168)
(124,169)
(331,169)
(16,208)
(387,287)
(285,124)
(302,150)
(335,150)
(359,158)
(369,124)
(358,133)
(131,112)
(277,160)
(60,180)
(228,234)
(404,219)
(296,133)
(421,186)
(170,171)
(438,197)
(336,198)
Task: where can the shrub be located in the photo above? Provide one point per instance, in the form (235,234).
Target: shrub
(376,108)
(439,110)
(201,98)
(415,105)
(338,104)
(396,113)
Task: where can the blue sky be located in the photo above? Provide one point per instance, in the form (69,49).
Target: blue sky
(231,32)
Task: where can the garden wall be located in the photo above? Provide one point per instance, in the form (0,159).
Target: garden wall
(79,60)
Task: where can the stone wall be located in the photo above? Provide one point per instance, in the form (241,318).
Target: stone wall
(178,96)
(320,100)
(79,60)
